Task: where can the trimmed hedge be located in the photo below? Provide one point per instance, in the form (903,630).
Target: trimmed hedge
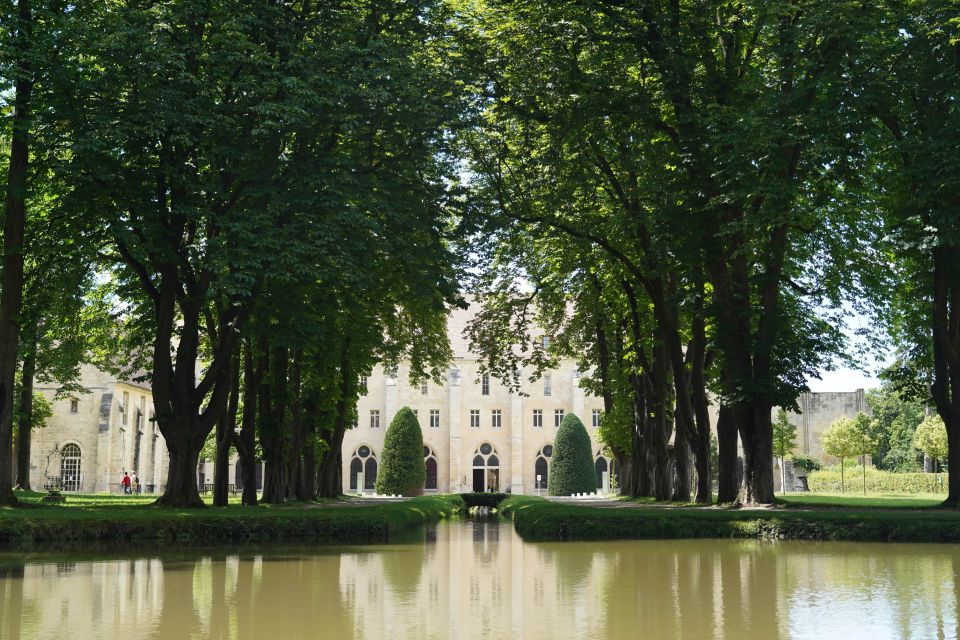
(345,522)
(537,519)
(828,481)
(571,469)
(402,470)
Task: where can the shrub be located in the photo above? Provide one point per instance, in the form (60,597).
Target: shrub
(806,463)
(571,470)
(402,470)
(828,481)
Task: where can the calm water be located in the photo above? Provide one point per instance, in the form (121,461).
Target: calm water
(479,580)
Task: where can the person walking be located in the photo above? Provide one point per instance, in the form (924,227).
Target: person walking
(135,482)
(125,483)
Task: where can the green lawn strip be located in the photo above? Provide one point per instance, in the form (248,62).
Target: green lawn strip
(536,519)
(344,523)
(881,501)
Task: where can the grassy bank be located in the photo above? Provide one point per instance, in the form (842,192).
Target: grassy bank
(537,519)
(111,522)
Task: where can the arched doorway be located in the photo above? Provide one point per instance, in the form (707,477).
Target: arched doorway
(486,468)
(541,468)
(70,468)
(601,468)
(430,460)
(603,464)
(364,461)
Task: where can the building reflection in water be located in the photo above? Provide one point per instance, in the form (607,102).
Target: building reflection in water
(479,580)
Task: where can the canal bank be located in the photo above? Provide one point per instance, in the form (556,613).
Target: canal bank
(538,519)
(348,521)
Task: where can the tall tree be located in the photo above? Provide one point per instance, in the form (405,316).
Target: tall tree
(23,70)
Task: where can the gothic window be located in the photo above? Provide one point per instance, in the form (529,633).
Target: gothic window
(485,384)
(364,461)
(430,460)
(541,466)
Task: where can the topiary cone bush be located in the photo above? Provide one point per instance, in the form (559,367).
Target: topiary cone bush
(571,469)
(402,470)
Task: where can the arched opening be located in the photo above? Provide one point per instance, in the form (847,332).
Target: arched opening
(486,468)
(601,467)
(369,474)
(541,467)
(70,479)
(430,460)
(364,461)
(356,467)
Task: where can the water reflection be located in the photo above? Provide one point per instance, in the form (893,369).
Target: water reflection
(479,580)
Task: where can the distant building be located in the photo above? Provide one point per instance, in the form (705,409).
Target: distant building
(93,438)
(477,435)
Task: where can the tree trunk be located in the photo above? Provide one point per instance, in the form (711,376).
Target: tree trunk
(225,436)
(184,452)
(761,471)
(728,489)
(26,416)
(272,418)
(946,358)
(295,459)
(331,475)
(11,285)
(246,441)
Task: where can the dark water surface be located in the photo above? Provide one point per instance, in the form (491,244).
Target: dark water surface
(479,580)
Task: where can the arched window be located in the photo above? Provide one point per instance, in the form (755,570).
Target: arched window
(541,468)
(356,467)
(486,468)
(70,467)
(601,464)
(364,461)
(430,460)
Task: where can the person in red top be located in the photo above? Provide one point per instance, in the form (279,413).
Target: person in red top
(125,483)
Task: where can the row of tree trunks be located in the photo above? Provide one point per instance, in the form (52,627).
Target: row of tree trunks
(11,295)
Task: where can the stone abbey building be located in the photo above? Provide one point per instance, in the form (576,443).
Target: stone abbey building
(477,435)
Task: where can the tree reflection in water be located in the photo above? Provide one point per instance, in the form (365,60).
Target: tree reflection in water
(478,579)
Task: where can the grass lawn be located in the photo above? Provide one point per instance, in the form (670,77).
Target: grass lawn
(539,519)
(869,501)
(123,519)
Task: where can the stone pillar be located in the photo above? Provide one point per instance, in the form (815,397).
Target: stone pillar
(576,392)
(107,469)
(390,393)
(516,444)
(454,482)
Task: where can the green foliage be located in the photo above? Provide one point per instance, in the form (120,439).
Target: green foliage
(130,520)
(841,439)
(806,463)
(896,416)
(571,467)
(402,470)
(784,435)
(537,519)
(931,438)
(830,480)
